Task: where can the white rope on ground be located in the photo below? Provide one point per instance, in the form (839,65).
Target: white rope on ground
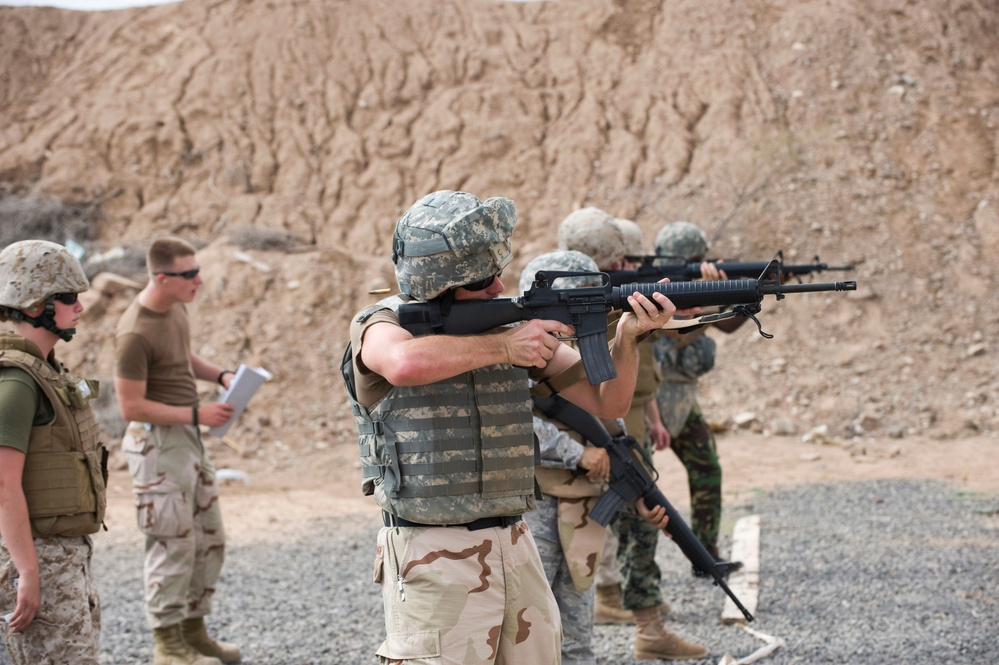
(772,644)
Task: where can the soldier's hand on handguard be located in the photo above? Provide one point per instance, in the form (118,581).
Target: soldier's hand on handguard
(215,414)
(596,461)
(534,343)
(645,315)
(712,271)
(657,515)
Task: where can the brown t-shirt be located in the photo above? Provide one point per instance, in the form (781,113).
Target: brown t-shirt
(156,348)
(369,386)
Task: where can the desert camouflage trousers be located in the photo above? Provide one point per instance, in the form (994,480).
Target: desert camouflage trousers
(459,597)
(68,625)
(555,522)
(177,506)
(608,569)
(695,446)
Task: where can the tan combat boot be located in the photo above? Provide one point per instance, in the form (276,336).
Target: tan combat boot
(171,649)
(654,642)
(607,608)
(196,635)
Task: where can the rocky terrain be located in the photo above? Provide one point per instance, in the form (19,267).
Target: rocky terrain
(285,139)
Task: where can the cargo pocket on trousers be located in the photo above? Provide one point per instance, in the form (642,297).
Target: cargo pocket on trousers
(140,453)
(410,646)
(164,515)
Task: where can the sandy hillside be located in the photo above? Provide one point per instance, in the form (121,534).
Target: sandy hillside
(286,139)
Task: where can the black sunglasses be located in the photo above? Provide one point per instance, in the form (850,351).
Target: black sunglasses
(480,285)
(187,274)
(67,298)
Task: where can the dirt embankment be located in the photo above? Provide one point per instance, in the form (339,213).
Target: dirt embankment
(864,133)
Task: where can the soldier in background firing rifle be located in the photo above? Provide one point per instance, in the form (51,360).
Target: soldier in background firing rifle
(682,361)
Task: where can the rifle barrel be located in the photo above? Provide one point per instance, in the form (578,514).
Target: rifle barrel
(721,292)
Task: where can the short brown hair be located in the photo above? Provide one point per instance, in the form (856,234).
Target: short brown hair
(164,250)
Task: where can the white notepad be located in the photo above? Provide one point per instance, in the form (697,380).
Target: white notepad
(241,389)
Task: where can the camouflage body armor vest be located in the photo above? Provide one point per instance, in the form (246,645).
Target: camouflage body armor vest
(449,452)
(66,465)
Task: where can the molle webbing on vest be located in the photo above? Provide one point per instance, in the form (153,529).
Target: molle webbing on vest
(450,452)
(64,469)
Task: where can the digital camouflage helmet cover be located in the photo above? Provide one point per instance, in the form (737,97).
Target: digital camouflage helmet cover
(682,241)
(449,238)
(561,259)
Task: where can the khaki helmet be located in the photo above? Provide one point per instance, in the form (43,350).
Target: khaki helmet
(448,238)
(561,259)
(594,233)
(33,270)
(682,241)
(634,243)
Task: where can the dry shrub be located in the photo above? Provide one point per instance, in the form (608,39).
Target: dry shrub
(32,217)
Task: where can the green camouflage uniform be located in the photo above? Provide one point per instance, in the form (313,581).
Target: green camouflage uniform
(637,538)
(691,438)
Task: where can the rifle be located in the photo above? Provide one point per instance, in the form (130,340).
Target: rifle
(632,476)
(587,308)
(647,271)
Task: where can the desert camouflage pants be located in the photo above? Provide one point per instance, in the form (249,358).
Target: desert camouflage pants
(695,446)
(178,511)
(68,625)
(608,569)
(459,597)
(551,529)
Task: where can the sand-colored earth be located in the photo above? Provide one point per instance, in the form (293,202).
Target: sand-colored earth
(285,139)
(326,484)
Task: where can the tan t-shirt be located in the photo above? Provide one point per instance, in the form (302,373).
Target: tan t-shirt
(156,348)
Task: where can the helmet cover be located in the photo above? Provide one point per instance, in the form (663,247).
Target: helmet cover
(634,243)
(682,241)
(561,259)
(449,238)
(33,270)
(594,233)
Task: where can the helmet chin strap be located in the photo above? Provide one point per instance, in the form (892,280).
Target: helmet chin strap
(44,320)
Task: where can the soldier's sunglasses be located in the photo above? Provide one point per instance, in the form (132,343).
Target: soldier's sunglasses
(480,285)
(67,298)
(187,274)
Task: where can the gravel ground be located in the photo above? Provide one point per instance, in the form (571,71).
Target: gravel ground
(862,573)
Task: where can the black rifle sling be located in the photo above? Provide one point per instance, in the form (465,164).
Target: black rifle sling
(573,417)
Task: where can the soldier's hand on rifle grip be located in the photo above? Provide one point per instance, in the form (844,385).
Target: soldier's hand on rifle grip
(656,516)
(596,461)
(534,343)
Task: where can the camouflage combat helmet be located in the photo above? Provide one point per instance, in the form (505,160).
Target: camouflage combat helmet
(594,233)
(33,271)
(561,259)
(451,238)
(634,244)
(682,241)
